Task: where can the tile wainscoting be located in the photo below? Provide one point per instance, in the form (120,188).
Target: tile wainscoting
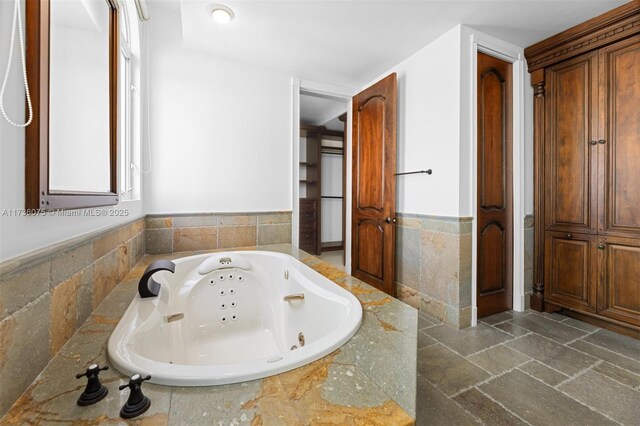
(209,231)
(47,294)
(433,272)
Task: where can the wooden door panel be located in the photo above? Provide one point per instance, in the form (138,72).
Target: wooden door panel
(493,113)
(374,197)
(371,154)
(491,272)
(619,293)
(620,66)
(568,270)
(570,161)
(371,237)
(495,210)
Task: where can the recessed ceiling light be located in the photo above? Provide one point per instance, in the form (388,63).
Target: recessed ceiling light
(221,14)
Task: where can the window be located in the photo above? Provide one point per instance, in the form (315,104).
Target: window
(126,108)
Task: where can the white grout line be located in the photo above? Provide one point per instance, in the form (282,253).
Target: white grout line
(576,375)
(615,353)
(503,406)
(609,350)
(611,378)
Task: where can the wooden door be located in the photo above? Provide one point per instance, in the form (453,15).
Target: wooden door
(619,144)
(571,145)
(569,273)
(495,206)
(374,188)
(619,280)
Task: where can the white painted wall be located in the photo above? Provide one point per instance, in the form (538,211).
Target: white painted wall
(429,127)
(220,130)
(20,234)
(433,128)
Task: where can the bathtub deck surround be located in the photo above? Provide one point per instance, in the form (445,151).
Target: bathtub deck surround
(46,295)
(371,379)
(209,231)
(433,271)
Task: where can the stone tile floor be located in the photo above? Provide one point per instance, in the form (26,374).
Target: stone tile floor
(526,368)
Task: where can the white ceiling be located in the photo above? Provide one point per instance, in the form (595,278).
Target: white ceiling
(320,111)
(352,42)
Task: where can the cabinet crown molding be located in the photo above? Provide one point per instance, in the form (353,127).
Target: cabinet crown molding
(619,23)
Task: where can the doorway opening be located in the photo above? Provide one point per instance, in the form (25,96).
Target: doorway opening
(322,177)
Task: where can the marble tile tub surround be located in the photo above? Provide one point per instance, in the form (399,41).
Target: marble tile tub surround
(46,295)
(209,231)
(526,368)
(433,272)
(370,380)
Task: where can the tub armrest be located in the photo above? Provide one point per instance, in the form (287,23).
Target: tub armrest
(147,286)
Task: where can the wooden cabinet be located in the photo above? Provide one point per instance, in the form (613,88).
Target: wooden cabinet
(570,157)
(619,291)
(309,225)
(587,169)
(568,271)
(620,153)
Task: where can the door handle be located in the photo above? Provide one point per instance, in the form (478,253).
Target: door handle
(389,220)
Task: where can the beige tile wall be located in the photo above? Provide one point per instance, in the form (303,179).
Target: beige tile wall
(433,272)
(47,294)
(172,233)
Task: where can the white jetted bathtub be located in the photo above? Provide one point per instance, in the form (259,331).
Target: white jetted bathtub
(232,317)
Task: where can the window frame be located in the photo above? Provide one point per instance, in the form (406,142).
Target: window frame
(125,137)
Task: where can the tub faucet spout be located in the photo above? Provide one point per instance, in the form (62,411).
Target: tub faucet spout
(147,286)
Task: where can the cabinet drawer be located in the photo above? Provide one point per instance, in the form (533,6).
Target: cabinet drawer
(308,236)
(307,216)
(307,206)
(619,286)
(308,227)
(569,270)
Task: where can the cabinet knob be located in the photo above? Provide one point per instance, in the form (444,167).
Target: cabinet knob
(601,141)
(600,246)
(593,142)
(390,220)
(569,236)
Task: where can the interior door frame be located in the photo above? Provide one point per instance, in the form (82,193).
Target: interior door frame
(515,55)
(327,91)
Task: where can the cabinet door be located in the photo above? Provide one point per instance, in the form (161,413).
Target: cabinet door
(570,157)
(620,146)
(568,270)
(619,287)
